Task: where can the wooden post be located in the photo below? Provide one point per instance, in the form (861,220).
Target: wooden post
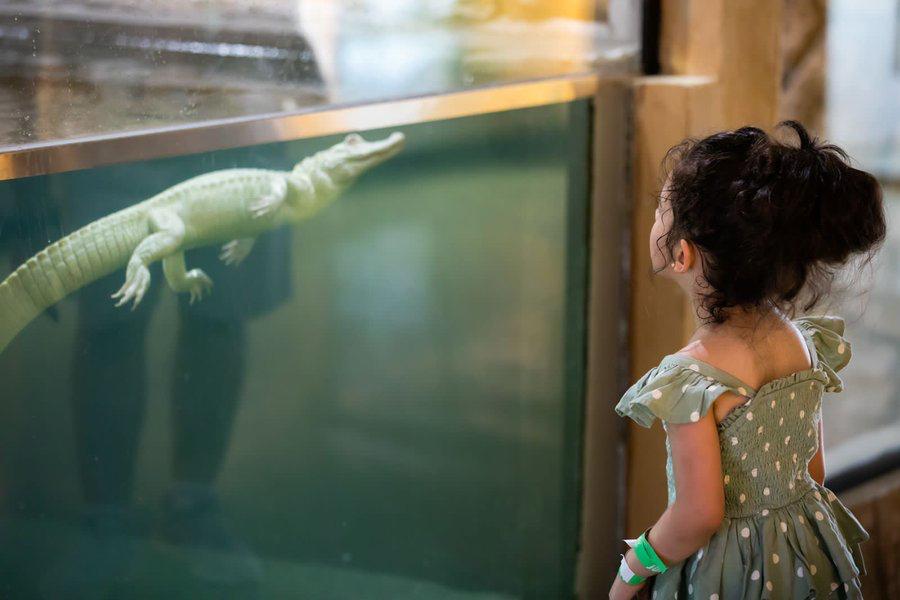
(722,64)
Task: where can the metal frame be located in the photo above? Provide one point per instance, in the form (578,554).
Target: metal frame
(86,152)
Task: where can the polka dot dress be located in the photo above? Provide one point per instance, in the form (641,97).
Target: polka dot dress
(784,536)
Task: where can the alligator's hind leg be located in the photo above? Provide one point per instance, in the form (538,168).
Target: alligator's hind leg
(167,237)
(194,281)
(235,251)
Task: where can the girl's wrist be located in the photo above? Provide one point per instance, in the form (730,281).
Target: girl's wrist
(635,564)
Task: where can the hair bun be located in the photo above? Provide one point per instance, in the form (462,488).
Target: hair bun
(771,219)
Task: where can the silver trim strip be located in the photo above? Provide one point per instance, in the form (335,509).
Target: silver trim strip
(86,152)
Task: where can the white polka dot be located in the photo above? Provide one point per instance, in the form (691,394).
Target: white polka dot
(684,388)
(841,348)
(727,478)
(766,447)
(754,472)
(811,384)
(655,593)
(799,571)
(783,527)
(781,421)
(817,495)
(787,439)
(802,413)
(791,485)
(772,404)
(801,519)
(742,391)
(694,367)
(657,394)
(765,512)
(792,395)
(754,575)
(734,441)
(749,416)
(745,532)
(766,491)
(809,433)
(831,496)
(709,378)
(777,465)
(713,597)
(743,498)
(695,416)
(744,456)
(813,569)
(759,430)
(769,585)
(775,558)
(794,457)
(819,516)
(834,586)
(700,554)
(846,587)
(690,588)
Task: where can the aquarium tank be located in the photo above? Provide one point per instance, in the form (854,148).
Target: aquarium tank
(375,395)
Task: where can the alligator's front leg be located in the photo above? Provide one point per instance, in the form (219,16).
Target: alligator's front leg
(168,235)
(235,251)
(272,201)
(194,281)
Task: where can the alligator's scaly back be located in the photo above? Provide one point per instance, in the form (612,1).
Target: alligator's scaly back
(65,266)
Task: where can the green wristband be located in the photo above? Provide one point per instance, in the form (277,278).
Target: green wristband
(648,556)
(629,576)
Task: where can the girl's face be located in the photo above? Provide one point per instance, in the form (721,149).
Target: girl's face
(661,226)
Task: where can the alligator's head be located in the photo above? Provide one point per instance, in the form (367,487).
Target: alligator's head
(319,179)
(347,160)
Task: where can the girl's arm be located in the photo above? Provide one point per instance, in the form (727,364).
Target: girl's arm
(817,463)
(699,505)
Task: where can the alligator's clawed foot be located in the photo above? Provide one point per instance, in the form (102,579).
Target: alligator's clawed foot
(199,284)
(234,252)
(134,288)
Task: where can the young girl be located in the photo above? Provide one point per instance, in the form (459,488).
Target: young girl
(746,226)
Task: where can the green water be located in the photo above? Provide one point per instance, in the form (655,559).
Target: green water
(384,402)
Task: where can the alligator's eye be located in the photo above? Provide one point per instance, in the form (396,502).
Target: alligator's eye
(353,138)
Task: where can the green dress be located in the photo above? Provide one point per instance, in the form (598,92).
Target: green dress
(783,535)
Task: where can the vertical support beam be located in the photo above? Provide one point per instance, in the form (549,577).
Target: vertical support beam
(723,62)
(666,110)
(603,456)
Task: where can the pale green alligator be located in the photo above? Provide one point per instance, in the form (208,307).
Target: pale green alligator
(230,206)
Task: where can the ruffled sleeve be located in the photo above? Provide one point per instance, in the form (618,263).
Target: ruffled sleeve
(671,393)
(833,350)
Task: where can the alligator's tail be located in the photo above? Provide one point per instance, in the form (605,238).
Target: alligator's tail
(71,263)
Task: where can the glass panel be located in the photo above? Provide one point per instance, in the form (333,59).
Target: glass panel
(381,402)
(863,116)
(83,67)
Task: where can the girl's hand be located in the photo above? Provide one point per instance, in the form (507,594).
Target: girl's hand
(622,591)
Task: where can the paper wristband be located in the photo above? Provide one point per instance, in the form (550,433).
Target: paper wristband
(627,575)
(647,555)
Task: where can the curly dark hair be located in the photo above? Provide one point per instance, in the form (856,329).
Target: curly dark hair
(774,223)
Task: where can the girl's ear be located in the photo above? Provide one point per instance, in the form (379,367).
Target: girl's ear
(686,254)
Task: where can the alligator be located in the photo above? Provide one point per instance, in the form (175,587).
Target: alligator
(230,206)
